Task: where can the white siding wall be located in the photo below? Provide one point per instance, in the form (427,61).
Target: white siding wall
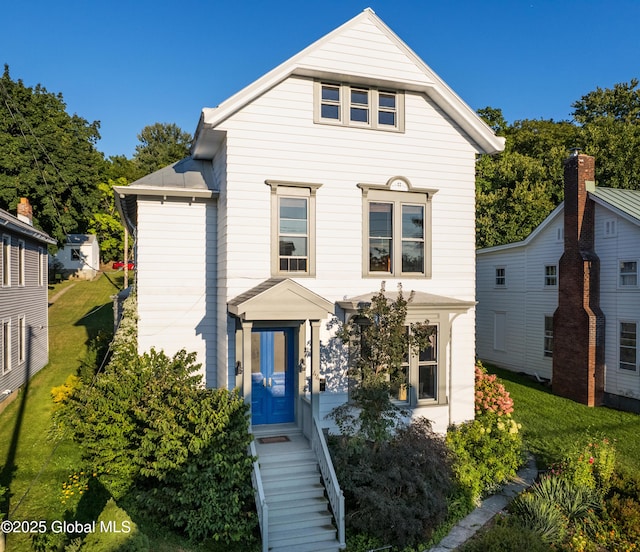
(177,284)
(525,301)
(618,304)
(275,138)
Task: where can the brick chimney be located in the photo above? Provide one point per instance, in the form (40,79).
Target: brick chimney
(578,322)
(25,211)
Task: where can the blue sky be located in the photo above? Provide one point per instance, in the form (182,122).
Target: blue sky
(132,63)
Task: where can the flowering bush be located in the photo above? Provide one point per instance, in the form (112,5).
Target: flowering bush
(491,396)
(590,464)
(488,453)
(489,450)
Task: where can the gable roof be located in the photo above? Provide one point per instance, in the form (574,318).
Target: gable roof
(415,75)
(280,299)
(13,223)
(625,203)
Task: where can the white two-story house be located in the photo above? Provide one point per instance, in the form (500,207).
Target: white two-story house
(349,165)
(564,304)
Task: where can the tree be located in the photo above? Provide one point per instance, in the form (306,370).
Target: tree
(47,156)
(379,343)
(105,222)
(610,131)
(160,145)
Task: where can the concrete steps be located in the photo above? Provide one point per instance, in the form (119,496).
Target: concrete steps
(299,515)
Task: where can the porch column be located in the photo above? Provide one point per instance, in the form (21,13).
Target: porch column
(315,368)
(246,362)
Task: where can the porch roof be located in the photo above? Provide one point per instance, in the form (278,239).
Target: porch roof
(416,299)
(280,299)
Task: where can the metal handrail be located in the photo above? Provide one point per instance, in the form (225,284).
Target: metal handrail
(261,501)
(336,497)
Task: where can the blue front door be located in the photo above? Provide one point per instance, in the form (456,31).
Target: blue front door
(272,382)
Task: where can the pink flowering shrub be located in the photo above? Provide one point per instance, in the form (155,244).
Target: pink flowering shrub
(491,396)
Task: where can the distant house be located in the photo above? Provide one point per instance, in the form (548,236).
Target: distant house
(23,299)
(349,165)
(564,304)
(79,257)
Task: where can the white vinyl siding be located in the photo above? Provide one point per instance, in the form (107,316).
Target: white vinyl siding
(179,287)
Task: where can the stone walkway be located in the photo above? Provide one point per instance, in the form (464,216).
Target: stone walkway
(469,526)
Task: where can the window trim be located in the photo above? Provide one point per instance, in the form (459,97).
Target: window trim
(550,280)
(619,367)
(22,339)
(41,260)
(345,103)
(620,274)
(280,189)
(547,351)
(398,191)
(6,260)
(5,346)
(21,263)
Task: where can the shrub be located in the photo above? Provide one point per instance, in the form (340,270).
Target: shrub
(398,491)
(150,430)
(591,464)
(123,534)
(490,394)
(553,504)
(506,536)
(488,453)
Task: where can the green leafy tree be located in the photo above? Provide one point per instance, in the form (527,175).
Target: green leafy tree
(47,156)
(160,145)
(379,343)
(106,224)
(610,131)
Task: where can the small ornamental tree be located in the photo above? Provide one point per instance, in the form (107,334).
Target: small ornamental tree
(379,339)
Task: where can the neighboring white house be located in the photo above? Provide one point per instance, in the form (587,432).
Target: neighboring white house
(79,257)
(349,165)
(518,286)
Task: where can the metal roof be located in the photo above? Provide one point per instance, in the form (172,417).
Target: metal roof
(625,201)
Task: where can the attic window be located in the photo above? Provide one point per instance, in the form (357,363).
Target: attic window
(358,106)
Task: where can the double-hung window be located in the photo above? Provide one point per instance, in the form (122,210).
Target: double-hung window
(419,369)
(397,224)
(501,276)
(628,271)
(628,351)
(293,207)
(359,106)
(550,276)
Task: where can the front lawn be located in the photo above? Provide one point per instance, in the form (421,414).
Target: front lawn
(551,424)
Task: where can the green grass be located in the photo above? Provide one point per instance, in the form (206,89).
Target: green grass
(551,424)
(34,464)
